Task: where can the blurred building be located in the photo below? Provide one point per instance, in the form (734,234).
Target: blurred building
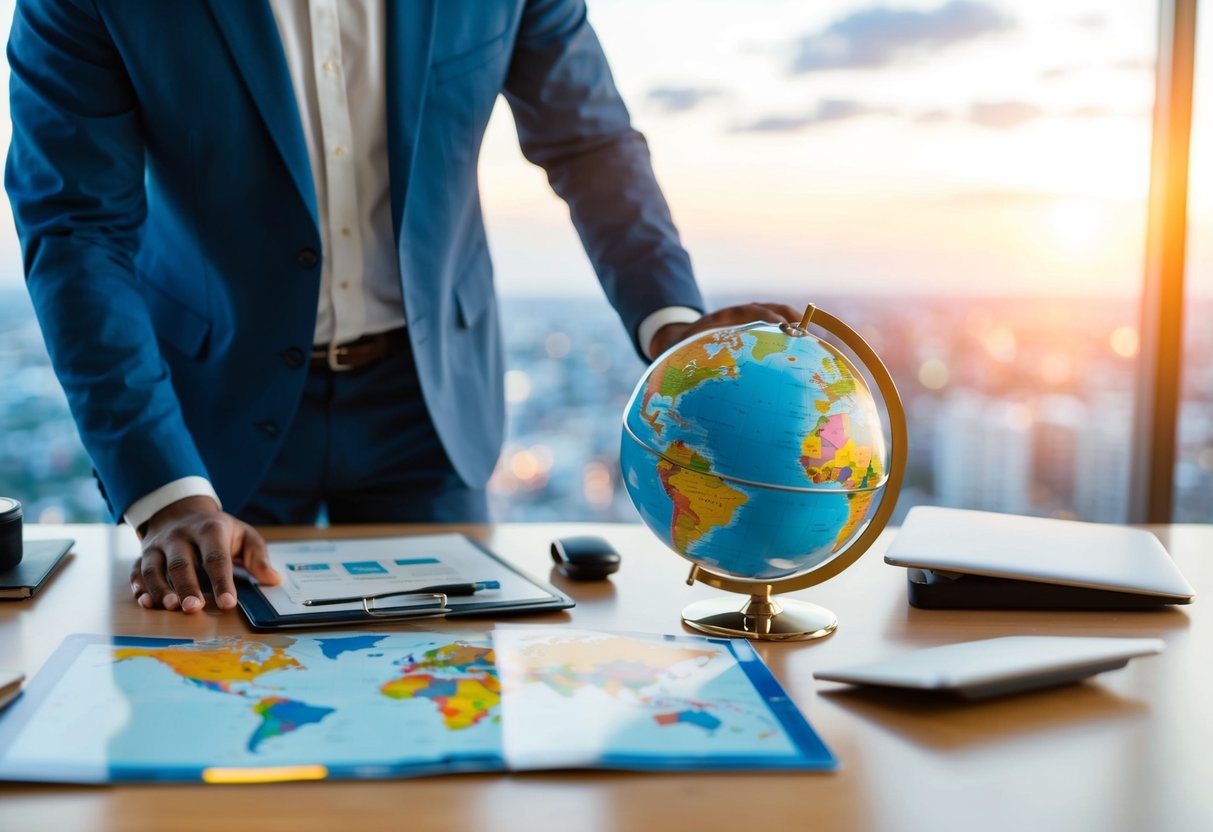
(1057,428)
(982,454)
(1102,483)
(1005,414)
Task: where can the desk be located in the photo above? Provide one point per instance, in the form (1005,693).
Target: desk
(1131,750)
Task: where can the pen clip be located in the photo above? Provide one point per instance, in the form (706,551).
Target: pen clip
(368,605)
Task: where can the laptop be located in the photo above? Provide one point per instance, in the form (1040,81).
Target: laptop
(962,559)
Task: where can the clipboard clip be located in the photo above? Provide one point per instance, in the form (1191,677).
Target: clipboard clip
(439,592)
(419,611)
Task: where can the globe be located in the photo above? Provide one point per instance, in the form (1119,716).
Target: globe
(756,452)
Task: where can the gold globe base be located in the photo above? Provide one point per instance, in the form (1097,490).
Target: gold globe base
(760,619)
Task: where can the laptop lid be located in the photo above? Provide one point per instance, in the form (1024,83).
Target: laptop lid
(1045,550)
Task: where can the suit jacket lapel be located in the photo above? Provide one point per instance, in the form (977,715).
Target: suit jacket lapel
(410,41)
(252,37)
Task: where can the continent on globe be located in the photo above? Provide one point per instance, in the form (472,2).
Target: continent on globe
(280,717)
(701,501)
(835,378)
(688,367)
(858,503)
(767,344)
(830,454)
(460,679)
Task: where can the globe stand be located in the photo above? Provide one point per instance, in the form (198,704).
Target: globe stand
(760,618)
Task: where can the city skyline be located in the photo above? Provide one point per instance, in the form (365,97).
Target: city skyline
(1005,413)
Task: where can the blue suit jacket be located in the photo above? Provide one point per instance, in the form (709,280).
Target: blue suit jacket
(162,192)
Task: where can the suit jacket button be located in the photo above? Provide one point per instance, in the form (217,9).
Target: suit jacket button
(307,258)
(270,428)
(292,357)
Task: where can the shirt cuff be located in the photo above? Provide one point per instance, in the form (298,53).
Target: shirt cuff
(145,507)
(668,315)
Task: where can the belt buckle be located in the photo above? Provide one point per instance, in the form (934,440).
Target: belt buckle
(331,356)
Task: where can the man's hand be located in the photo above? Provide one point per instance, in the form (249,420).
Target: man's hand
(182,535)
(671,334)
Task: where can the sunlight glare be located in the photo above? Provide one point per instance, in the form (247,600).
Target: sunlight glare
(933,374)
(1001,343)
(1075,221)
(1124,341)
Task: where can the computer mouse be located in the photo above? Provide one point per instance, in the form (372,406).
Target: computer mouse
(585,558)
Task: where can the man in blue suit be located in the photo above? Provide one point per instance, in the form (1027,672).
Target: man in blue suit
(253,238)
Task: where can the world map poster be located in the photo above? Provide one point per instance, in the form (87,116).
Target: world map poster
(365,705)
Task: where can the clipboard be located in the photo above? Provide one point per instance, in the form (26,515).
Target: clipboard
(378,561)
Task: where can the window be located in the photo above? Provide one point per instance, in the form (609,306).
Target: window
(1193,501)
(964,181)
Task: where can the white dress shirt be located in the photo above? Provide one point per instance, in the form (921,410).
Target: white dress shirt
(335,52)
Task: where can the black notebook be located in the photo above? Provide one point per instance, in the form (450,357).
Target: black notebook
(40,560)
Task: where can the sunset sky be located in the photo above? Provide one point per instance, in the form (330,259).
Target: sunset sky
(963,147)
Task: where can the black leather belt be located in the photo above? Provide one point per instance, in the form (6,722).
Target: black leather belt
(354,355)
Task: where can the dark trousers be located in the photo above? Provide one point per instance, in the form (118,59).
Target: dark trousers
(362,449)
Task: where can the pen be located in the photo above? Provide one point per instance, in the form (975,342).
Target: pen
(449,590)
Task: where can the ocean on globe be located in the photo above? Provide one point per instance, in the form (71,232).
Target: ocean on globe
(752,452)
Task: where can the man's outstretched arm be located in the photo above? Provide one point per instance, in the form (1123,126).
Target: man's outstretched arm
(573,123)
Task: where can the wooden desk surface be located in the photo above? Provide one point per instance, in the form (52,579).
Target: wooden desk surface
(1129,750)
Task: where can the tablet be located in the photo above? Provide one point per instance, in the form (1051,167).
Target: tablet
(997,666)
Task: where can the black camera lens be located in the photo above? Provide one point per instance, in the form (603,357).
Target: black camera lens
(10,533)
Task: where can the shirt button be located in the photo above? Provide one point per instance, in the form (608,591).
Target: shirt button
(345,231)
(329,66)
(292,357)
(307,258)
(345,284)
(339,150)
(268,428)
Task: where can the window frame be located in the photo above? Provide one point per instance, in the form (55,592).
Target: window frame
(1156,407)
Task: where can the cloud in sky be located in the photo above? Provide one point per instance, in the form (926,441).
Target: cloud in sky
(1135,65)
(827,111)
(1004,115)
(1093,20)
(996,115)
(671,100)
(877,37)
(1090,111)
(932,117)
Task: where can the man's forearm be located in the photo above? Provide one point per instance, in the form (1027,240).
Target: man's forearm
(572,122)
